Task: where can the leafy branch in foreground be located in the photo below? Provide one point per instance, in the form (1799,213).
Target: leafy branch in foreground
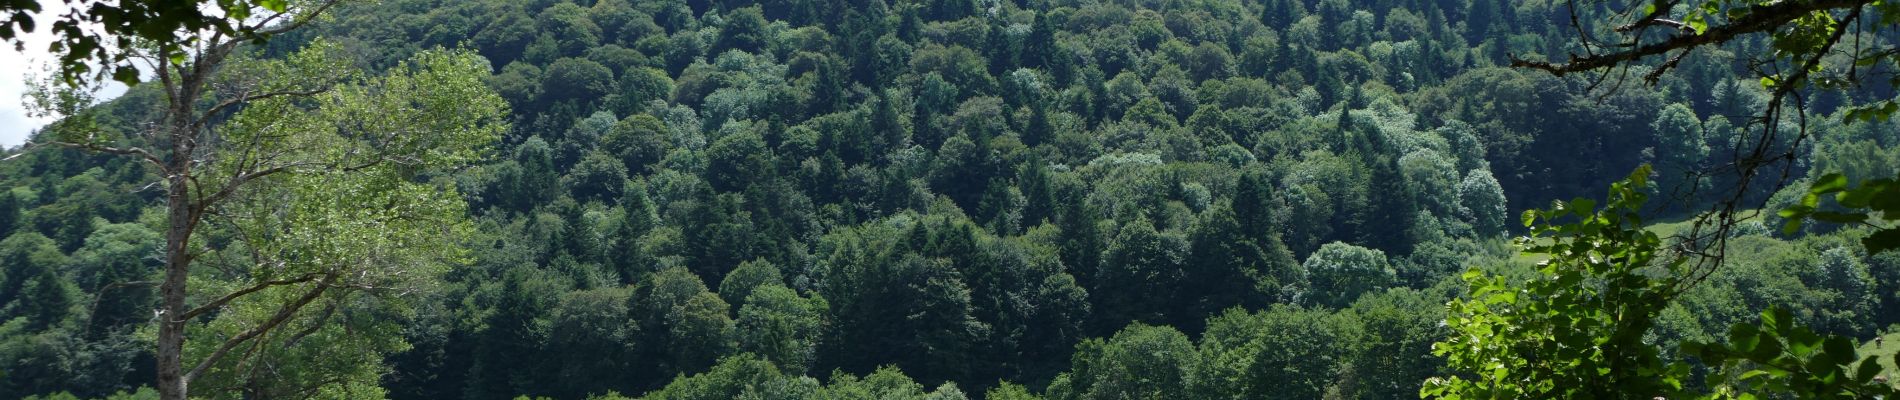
(1872,203)
(1815,46)
(1780,357)
(1575,329)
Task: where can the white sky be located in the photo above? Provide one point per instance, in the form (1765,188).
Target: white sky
(15,67)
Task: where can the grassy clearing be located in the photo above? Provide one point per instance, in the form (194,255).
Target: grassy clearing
(1883,353)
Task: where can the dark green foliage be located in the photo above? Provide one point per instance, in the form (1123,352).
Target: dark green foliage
(576,79)
(1397,329)
(1138,267)
(914,313)
(1781,358)
(512,328)
(1227,268)
(749,276)
(639,141)
(9,212)
(599,177)
(798,198)
(719,234)
(738,160)
(744,31)
(591,339)
(681,326)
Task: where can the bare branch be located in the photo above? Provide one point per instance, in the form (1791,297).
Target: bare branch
(300,22)
(1651,18)
(132,151)
(1678,25)
(1759,18)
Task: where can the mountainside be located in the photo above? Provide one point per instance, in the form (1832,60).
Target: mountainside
(942,199)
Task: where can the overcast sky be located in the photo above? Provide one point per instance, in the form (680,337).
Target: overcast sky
(14,69)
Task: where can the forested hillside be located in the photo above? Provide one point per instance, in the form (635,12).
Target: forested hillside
(931,199)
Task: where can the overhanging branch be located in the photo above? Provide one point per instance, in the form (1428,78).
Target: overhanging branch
(1759,18)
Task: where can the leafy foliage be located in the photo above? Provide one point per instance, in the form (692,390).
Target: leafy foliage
(802,198)
(1576,327)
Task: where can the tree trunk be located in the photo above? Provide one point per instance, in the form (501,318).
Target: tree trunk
(181,217)
(171,330)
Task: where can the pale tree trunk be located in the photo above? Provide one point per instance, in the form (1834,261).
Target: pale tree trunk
(183,87)
(171,329)
(180,217)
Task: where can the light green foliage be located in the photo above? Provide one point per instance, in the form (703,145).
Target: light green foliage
(347,218)
(1872,201)
(1779,359)
(1434,177)
(115,258)
(1010,391)
(1283,352)
(734,377)
(1482,202)
(1140,362)
(748,377)
(1554,336)
(1680,150)
(1338,273)
(1397,330)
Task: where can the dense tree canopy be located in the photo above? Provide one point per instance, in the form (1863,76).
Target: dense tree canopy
(949,199)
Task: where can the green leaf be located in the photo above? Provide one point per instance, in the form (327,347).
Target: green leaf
(1839,350)
(1881,241)
(1583,206)
(1744,337)
(1869,368)
(1838,217)
(1829,183)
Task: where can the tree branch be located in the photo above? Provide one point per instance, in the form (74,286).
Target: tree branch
(231,187)
(131,151)
(299,22)
(214,304)
(232,102)
(283,314)
(1758,18)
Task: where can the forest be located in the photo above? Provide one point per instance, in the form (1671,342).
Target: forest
(959,199)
